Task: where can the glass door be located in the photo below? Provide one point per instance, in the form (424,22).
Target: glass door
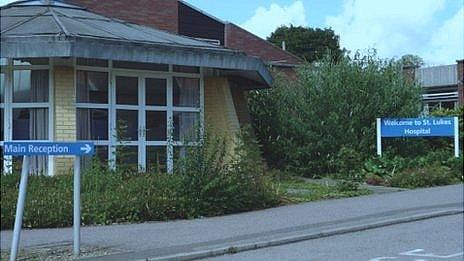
(156,124)
(140,113)
(126,121)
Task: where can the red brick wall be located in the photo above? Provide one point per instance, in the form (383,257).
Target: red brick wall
(460,81)
(238,38)
(161,14)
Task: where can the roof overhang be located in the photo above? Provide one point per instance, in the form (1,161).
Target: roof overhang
(55,46)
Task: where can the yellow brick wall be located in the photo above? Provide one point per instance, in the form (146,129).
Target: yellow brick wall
(65,114)
(241,106)
(220,114)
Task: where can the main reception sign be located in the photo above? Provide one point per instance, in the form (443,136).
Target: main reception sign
(417,127)
(28,149)
(48,148)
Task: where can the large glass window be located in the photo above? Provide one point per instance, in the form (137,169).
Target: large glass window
(92,109)
(186,126)
(131,116)
(156,125)
(186,92)
(128,125)
(92,87)
(2,87)
(27,94)
(127,90)
(30,124)
(30,86)
(155,92)
(92,124)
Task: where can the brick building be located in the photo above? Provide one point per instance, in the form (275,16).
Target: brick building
(179,17)
(71,71)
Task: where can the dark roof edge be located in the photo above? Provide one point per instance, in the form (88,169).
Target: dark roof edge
(268,43)
(45,46)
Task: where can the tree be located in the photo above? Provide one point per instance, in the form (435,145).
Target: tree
(303,125)
(308,43)
(412,60)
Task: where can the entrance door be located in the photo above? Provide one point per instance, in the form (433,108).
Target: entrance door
(140,121)
(155,122)
(126,120)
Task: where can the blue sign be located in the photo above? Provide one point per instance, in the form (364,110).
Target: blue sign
(417,127)
(48,148)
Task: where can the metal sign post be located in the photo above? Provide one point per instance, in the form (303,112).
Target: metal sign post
(28,149)
(77,207)
(456,137)
(418,127)
(379,137)
(20,209)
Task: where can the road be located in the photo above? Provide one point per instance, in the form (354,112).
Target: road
(432,239)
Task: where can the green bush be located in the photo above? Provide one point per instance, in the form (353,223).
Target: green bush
(436,167)
(348,163)
(206,183)
(384,166)
(346,185)
(219,183)
(303,124)
(433,175)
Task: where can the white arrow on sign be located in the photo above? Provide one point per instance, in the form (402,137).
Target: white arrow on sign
(86,149)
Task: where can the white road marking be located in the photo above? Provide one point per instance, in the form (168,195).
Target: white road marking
(417,252)
(383,258)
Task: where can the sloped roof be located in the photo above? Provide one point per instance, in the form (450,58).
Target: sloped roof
(45,28)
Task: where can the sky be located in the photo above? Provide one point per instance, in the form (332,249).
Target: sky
(432,29)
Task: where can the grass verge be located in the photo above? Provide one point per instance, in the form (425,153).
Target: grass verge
(296,190)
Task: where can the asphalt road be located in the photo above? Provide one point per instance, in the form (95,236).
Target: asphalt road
(432,239)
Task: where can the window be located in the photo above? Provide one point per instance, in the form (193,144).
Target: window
(130,116)
(27,94)
(92,87)
(92,124)
(127,90)
(30,86)
(141,66)
(186,126)
(186,69)
(92,109)
(2,88)
(155,92)
(186,92)
(92,62)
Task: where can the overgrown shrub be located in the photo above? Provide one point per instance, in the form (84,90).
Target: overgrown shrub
(348,164)
(207,182)
(432,175)
(436,167)
(303,124)
(347,185)
(219,183)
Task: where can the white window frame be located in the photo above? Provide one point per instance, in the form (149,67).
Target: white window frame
(9,105)
(142,108)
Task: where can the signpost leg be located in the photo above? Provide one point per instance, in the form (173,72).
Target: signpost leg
(456,137)
(77,207)
(379,138)
(20,209)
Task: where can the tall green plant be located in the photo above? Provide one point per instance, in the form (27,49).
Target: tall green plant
(303,124)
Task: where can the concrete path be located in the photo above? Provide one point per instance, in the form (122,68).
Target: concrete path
(374,189)
(165,239)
